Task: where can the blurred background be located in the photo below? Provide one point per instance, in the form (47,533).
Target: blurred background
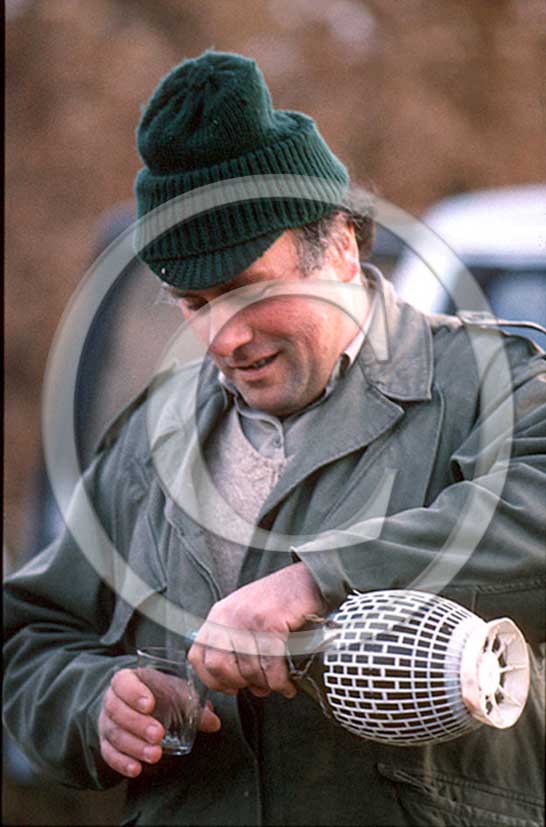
(422,100)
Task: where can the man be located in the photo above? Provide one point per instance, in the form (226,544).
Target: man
(343,442)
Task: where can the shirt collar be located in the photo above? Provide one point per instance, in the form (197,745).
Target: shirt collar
(396,356)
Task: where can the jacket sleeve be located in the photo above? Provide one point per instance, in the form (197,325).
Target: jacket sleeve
(482,541)
(56,670)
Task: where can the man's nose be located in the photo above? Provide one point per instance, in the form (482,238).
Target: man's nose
(228,329)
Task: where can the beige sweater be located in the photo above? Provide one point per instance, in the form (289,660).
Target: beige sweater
(244,478)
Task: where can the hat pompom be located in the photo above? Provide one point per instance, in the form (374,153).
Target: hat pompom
(210,120)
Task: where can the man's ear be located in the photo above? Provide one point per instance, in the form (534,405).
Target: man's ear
(344,251)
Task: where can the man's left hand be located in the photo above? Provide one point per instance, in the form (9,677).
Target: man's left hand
(242,642)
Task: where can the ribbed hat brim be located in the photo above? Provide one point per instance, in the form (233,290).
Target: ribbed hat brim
(209,269)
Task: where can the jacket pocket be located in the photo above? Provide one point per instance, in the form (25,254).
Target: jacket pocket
(438,800)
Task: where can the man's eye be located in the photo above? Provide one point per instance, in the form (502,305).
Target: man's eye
(193,305)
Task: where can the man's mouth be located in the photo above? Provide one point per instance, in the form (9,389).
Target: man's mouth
(254,366)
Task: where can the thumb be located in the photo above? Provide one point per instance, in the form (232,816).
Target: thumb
(210,722)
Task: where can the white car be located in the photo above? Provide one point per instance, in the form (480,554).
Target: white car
(499,241)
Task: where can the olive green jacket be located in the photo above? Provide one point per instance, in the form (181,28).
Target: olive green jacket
(426,467)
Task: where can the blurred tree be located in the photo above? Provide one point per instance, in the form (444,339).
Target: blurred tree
(421,99)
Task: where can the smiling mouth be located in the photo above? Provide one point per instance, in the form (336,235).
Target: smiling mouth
(253,366)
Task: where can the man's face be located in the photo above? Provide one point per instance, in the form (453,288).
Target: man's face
(279,351)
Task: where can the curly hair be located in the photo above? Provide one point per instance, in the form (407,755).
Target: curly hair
(312,240)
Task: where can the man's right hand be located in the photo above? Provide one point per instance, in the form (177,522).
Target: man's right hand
(129,735)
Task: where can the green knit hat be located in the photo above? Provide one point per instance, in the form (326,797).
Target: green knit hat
(210,121)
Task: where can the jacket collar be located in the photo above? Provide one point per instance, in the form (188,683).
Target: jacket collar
(396,356)
(395,364)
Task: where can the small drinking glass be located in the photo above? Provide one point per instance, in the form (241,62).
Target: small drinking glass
(178,692)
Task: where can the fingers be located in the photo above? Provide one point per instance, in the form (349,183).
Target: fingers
(210,722)
(124,751)
(129,736)
(241,666)
(119,762)
(225,654)
(215,658)
(272,655)
(123,716)
(129,688)
(228,660)
(249,663)
(217,668)
(266,670)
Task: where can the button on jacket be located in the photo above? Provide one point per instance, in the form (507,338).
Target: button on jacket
(425,468)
